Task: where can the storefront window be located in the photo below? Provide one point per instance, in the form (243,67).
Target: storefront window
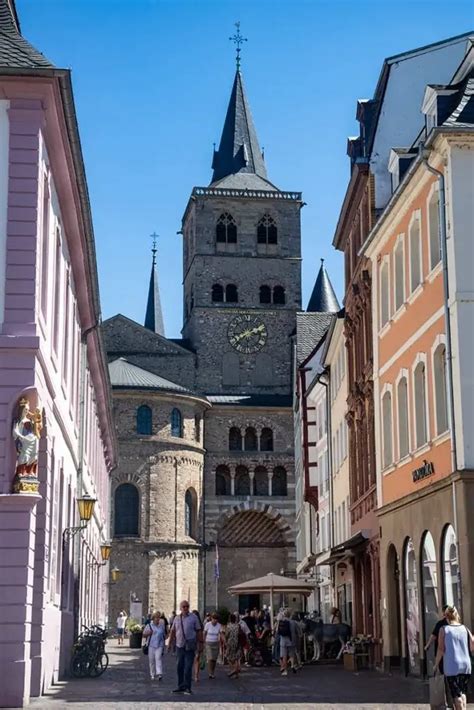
(430,593)
(412,619)
(450,568)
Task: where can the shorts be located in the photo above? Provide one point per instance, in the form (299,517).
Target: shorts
(286,647)
(120,632)
(458,684)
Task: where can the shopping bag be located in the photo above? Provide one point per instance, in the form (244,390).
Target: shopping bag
(437,692)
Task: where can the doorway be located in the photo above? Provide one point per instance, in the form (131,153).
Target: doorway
(394,641)
(248,601)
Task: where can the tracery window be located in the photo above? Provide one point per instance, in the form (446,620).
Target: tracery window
(144,420)
(226,229)
(126,510)
(176,423)
(267,232)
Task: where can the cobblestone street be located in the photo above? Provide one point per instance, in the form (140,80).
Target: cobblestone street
(126,685)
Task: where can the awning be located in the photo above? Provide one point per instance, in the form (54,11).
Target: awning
(347,548)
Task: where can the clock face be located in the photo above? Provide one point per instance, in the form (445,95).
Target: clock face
(247,333)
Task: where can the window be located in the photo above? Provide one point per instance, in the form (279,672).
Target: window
(384,295)
(266,439)
(242,481)
(402,402)
(231,295)
(415,254)
(144,420)
(197,427)
(399,275)
(265,294)
(235,439)
(279,295)
(250,440)
(433,222)
(223,487)
(412,607)
(429,575)
(420,405)
(126,510)
(190,510)
(279,482)
(387,429)
(176,423)
(260,481)
(267,232)
(450,567)
(439,368)
(226,229)
(217,293)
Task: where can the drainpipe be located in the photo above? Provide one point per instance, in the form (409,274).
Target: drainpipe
(425,153)
(325,380)
(175,531)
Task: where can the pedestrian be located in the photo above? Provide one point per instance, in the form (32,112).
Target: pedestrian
(199,650)
(185,633)
(212,641)
(233,648)
(246,644)
(287,634)
(455,645)
(250,621)
(435,636)
(155,632)
(121,621)
(336,616)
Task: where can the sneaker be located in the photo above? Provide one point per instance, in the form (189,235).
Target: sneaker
(178,690)
(284,673)
(188,691)
(160,677)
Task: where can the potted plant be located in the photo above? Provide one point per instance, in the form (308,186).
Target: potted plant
(356,653)
(135,631)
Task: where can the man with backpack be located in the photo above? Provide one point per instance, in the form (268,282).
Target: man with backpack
(287,633)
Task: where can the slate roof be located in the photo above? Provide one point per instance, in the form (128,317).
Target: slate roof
(323,299)
(251,400)
(154,315)
(124,374)
(245,181)
(239,150)
(311,328)
(15,51)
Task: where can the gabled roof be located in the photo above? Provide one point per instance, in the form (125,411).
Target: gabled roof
(310,330)
(128,376)
(239,150)
(154,315)
(125,336)
(15,51)
(323,299)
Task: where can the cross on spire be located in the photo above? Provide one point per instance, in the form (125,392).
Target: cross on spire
(237,39)
(154,237)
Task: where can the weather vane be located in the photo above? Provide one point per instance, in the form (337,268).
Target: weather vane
(237,39)
(154,237)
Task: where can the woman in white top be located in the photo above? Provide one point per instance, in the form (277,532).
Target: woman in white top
(455,645)
(212,639)
(155,632)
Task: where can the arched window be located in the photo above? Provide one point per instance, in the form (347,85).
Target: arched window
(430,590)
(415,255)
(217,293)
(403,435)
(387,429)
(190,513)
(242,481)
(126,510)
(433,223)
(235,439)
(439,368)
(260,481)
(266,439)
(265,294)
(412,607)
(223,481)
(144,420)
(384,294)
(231,294)
(250,440)
(226,229)
(279,482)
(176,423)
(197,427)
(450,568)
(399,275)
(267,232)
(420,405)
(279,295)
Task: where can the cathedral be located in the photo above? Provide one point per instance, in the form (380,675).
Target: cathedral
(204,494)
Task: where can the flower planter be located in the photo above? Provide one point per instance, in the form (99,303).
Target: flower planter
(135,640)
(356,661)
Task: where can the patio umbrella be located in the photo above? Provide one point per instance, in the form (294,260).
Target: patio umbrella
(271,583)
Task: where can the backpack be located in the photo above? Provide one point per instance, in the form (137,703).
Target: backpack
(284,628)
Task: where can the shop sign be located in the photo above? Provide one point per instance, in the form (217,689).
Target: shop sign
(423,471)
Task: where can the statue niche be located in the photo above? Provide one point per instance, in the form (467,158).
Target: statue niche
(26,434)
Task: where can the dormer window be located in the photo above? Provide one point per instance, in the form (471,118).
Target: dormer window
(226,229)
(267,232)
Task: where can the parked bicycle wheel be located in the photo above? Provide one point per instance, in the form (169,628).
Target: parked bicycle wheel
(79,666)
(99,666)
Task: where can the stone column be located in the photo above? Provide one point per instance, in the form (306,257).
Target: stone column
(270,488)
(17,551)
(232,482)
(252,482)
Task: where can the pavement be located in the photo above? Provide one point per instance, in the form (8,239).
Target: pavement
(126,686)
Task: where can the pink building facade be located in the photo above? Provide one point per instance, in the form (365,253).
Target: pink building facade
(54,389)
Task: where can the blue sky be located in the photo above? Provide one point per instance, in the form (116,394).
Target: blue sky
(152,80)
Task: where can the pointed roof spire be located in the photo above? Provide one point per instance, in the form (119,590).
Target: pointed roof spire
(154,316)
(15,51)
(323,299)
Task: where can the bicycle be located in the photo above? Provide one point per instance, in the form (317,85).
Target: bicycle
(89,657)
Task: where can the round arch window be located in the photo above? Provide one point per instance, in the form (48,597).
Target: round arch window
(412,619)
(450,567)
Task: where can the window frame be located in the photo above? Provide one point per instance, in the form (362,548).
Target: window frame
(267,222)
(131,485)
(149,412)
(174,426)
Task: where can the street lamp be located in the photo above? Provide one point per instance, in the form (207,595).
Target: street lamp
(85,506)
(115,575)
(105,550)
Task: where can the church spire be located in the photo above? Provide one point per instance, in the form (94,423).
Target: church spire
(154,316)
(323,299)
(239,150)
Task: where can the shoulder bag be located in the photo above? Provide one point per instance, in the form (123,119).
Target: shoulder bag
(189,644)
(147,642)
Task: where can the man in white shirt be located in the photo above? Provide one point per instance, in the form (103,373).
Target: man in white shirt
(212,639)
(121,621)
